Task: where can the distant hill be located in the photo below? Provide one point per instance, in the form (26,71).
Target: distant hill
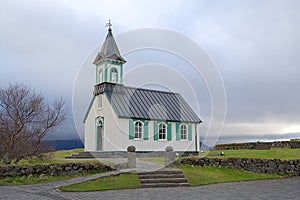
(62,144)
(203,146)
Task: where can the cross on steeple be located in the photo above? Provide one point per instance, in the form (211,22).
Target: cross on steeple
(109,25)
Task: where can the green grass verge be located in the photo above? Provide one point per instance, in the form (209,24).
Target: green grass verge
(209,175)
(122,181)
(29,180)
(158,160)
(274,153)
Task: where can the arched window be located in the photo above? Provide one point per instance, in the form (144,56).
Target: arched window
(113,75)
(138,130)
(162,129)
(100,75)
(183,132)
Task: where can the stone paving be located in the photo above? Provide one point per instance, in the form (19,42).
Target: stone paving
(264,189)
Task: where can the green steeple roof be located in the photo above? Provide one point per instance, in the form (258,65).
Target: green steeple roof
(109,50)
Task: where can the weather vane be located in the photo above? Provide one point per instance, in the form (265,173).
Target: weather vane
(109,25)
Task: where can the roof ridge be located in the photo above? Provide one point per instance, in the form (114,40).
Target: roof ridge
(147,89)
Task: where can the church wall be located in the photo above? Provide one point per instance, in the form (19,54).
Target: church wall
(116,133)
(89,132)
(119,140)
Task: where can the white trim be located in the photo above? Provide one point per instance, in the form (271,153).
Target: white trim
(186,132)
(166,131)
(142,131)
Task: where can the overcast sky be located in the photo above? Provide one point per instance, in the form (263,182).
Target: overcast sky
(254,44)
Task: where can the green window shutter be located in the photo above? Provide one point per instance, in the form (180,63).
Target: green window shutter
(178,131)
(169,132)
(190,135)
(131,130)
(146,125)
(155,131)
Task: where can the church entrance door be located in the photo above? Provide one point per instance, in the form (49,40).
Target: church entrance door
(99,134)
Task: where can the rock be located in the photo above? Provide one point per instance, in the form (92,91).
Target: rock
(217,154)
(131,149)
(298,166)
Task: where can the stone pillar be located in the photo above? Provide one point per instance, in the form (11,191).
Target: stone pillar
(169,155)
(131,157)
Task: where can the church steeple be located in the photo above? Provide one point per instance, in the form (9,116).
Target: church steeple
(109,62)
(109,49)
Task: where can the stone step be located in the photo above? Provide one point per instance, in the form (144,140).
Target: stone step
(164,180)
(172,171)
(153,176)
(154,185)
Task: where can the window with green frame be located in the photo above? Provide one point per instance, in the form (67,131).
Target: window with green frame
(162,131)
(114,75)
(184,131)
(100,74)
(138,129)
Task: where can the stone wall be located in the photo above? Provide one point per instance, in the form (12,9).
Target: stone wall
(259,145)
(52,169)
(271,166)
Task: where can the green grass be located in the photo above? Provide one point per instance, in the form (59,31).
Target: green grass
(63,153)
(275,153)
(158,160)
(209,175)
(53,158)
(122,181)
(48,162)
(29,180)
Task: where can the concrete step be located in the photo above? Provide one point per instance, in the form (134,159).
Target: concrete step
(154,185)
(164,180)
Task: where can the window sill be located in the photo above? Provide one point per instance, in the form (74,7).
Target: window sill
(162,140)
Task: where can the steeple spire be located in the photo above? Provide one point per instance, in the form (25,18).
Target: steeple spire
(109,48)
(109,25)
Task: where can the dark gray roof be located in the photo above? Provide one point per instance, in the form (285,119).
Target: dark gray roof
(109,50)
(140,103)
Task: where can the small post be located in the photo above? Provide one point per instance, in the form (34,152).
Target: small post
(169,155)
(131,157)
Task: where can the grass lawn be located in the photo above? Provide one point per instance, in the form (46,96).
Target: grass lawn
(122,181)
(42,179)
(64,153)
(195,175)
(209,175)
(278,153)
(158,160)
(53,158)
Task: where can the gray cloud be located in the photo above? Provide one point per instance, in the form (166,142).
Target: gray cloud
(255,45)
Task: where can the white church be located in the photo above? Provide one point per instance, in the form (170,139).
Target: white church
(120,116)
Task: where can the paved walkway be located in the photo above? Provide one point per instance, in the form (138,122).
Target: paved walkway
(265,189)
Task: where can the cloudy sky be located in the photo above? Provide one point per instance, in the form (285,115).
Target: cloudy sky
(254,44)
